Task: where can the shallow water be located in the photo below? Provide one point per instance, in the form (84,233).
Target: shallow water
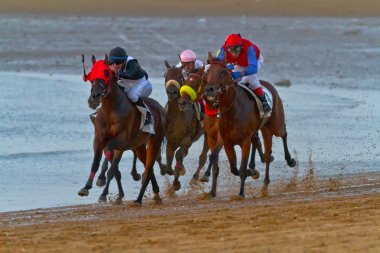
(332,108)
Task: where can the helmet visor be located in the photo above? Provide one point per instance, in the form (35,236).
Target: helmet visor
(112,61)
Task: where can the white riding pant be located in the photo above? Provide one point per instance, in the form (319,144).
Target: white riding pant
(251,79)
(136,88)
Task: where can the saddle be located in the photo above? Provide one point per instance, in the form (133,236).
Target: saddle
(252,95)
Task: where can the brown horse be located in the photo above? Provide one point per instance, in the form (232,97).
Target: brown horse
(211,127)
(117,128)
(240,121)
(183,128)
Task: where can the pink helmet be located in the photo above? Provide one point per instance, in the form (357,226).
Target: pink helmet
(188,56)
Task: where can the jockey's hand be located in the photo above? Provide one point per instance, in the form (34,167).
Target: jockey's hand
(236,75)
(113,68)
(230,66)
(84,78)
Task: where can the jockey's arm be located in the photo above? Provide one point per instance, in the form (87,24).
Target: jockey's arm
(252,62)
(131,69)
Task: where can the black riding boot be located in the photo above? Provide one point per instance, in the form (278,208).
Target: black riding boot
(148,117)
(264,101)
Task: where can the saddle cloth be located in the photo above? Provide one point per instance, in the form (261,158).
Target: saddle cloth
(146,128)
(268,96)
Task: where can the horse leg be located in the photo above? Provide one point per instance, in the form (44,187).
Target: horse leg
(159,161)
(111,173)
(120,197)
(291,161)
(169,159)
(267,136)
(202,157)
(179,168)
(98,148)
(252,164)
(215,173)
(243,173)
(215,147)
(151,155)
(102,177)
(231,155)
(136,176)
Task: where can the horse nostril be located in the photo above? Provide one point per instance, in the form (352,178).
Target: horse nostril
(210,89)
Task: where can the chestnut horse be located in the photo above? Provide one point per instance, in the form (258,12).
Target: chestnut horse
(117,129)
(183,128)
(211,125)
(240,120)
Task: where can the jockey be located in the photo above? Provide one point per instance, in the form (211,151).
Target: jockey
(132,79)
(188,62)
(245,60)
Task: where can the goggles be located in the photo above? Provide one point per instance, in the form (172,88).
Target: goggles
(112,61)
(234,49)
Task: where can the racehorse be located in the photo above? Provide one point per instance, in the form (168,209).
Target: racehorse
(240,121)
(117,128)
(190,93)
(183,128)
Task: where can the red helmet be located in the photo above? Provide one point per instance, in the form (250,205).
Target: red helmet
(234,40)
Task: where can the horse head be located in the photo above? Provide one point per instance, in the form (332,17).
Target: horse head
(173,81)
(101,78)
(218,77)
(190,91)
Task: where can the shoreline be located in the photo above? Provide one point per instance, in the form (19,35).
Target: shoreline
(174,8)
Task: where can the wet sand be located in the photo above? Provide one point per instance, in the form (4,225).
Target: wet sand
(339,8)
(334,215)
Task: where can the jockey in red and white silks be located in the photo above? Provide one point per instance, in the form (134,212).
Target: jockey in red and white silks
(244,60)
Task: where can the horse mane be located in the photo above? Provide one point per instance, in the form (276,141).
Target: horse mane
(214,59)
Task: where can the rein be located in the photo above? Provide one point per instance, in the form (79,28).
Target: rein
(224,87)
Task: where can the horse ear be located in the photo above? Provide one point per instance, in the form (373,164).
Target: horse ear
(106,59)
(224,61)
(209,57)
(167,64)
(202,69)
(179,57)
(93,59)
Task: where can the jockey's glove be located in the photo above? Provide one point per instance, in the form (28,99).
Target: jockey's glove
(236,75)
(230,66)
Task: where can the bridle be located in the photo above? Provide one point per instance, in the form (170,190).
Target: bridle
(224,87)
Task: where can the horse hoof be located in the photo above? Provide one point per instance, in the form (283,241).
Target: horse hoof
(193,181)
(255,174)
(237,198)
(102,199)
(213,194)
(264,191)
(83,192)
(100,182)
(135,203)
(157,199)
(119,201)
(169,171)
(204,179)
(195,176)
(163,173)
(182,171)
(292,162)
(136,177)
(235,171)
(176,185)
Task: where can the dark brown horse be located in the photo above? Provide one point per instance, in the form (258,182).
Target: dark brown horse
(117,129)
(240,121)
(183,128)
(211,127)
